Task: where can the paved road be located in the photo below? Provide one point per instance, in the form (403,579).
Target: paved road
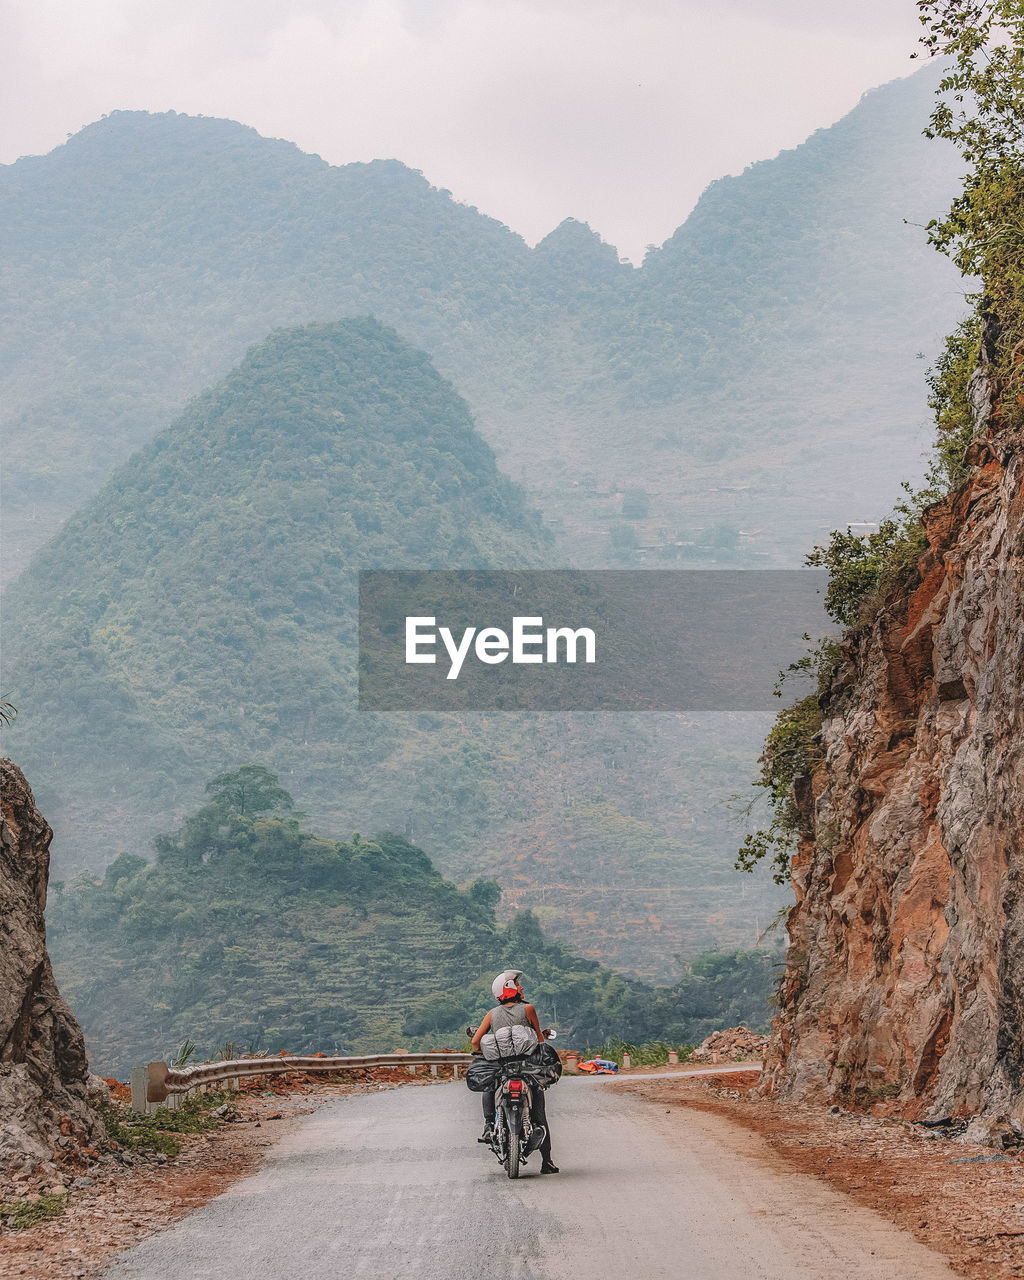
(392,1186)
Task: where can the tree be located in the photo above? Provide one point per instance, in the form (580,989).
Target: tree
(486,894)
(250,790)
(981,111)
(636,505)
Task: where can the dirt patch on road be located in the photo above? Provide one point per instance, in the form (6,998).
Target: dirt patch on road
(962,1200)
(123,1203)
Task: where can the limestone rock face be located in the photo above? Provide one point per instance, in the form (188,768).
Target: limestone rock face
(44,1075)
(904,987)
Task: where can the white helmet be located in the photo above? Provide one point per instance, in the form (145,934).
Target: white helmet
(507,978)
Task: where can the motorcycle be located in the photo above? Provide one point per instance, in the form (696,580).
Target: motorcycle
(515,1136)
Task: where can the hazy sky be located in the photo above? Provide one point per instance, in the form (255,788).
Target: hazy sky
(615,112)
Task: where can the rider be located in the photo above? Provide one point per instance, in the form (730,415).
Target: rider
(513,1010)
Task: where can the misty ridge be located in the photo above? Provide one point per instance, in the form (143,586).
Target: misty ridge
(759,358)
(196,513)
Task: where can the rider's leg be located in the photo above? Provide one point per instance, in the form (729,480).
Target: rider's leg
(538,1116)
(487,1098)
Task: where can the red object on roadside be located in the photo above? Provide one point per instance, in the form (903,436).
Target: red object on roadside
(599,1067)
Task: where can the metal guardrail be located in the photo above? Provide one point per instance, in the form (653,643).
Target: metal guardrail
(160,1085)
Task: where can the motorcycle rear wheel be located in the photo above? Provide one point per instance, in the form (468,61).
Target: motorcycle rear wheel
(512,1149)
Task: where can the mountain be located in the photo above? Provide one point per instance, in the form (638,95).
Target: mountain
(174,244)
(250,930)
(201,611)
(202,608)
(760,353)
(769,379)
(748,388)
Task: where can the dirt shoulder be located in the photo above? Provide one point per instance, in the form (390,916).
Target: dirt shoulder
(122,1196)
(962,1200)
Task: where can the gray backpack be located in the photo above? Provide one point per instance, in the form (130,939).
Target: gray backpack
(508,1042)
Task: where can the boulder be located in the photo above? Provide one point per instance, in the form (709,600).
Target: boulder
(736,1044)
(45,1083)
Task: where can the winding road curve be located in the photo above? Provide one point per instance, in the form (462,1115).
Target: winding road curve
(392,1186)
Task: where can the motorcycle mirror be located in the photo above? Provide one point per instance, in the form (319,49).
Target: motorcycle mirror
(551,1034)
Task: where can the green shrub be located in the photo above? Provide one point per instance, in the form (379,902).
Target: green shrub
(16,1215)
(792,750)
(156,1132)
(954,415)
(864,569)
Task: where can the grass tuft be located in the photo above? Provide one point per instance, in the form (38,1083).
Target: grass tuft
(157,1132)
(16,1215)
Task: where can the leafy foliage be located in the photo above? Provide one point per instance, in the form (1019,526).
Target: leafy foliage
(250,790)
(156,1131)
(981,111)
(955,418)
(791,752)
(863,569)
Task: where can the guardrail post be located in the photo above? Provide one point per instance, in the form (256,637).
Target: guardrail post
(433,1068)
(139,1080)
(627,1062)
(455,1071)
(412,1068)
(673,1058)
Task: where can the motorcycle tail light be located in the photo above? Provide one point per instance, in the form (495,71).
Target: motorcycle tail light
(515,1088)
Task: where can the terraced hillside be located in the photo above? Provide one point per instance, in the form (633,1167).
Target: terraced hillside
(249,929)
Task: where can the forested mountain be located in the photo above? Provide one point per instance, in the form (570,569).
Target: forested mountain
(202,608)
(201,611)
(766,350)
(250,930)
(750,387)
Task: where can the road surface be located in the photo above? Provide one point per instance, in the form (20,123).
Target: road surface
(393,1186)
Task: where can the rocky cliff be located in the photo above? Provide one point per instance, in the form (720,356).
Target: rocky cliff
(904,987)
(45,1086)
